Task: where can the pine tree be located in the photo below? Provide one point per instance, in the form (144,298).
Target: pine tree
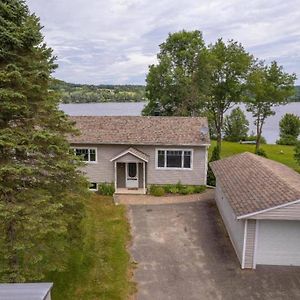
(40,188)
(211,179)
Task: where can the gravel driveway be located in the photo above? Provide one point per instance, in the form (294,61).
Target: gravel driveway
(183,252)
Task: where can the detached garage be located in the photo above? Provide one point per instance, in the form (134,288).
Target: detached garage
(259,201)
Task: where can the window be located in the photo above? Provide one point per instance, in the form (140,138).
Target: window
(93,186)
(87,154)
(132,170)
(178,159)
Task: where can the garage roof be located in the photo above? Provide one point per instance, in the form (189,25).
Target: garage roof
(138,130)
(252,183)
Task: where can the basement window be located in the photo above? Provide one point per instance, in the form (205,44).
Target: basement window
(93,186)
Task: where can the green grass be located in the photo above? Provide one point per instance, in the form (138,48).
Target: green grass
(102,269)
(273,152)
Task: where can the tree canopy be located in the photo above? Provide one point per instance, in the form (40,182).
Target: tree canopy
(289,127)
(40,187)
(267,86)
(236,126)
(172,85)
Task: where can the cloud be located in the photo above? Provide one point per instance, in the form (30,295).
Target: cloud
(114,41)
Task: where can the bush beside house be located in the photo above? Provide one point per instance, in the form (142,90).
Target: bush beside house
(161,190)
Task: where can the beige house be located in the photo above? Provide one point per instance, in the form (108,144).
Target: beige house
(134,152)
(259,200)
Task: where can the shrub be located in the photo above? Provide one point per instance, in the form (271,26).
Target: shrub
(199,189)
(252,137)
(287,140)
(261,152)
(156,190)
(179,186)
(168,188)
(106,189)
(174,190)
(186,190)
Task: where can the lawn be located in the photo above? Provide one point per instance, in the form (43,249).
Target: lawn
(102,269)
(283,154)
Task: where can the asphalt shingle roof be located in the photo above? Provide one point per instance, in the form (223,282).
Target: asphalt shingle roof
(252,183)
(138,130)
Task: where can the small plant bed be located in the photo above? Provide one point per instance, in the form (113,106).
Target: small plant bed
(175,189)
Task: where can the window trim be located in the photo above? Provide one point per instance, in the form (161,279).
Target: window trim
(89,148)
(94,190)
(182,162)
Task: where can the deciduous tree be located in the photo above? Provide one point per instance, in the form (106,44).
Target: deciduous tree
(236,126)
(289,127)
(229,66)
(267,87)
(172,86)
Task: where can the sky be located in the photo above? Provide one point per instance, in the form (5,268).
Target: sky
(115,41)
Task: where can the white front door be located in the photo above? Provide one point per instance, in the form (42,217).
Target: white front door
(132,178)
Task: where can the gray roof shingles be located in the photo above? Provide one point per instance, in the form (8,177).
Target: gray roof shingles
(138,130)
(253,183)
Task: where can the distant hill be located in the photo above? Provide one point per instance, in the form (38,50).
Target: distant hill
(86,93)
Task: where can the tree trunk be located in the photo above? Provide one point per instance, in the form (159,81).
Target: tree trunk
(258,134)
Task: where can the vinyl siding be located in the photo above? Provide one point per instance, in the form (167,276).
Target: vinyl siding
(250,244)
(278,243)
(290,212)
(234,227)
(103,170)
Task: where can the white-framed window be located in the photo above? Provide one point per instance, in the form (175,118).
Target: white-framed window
(93,186)
(174,159)
(87,154)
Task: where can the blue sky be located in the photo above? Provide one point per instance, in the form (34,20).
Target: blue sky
(114,41)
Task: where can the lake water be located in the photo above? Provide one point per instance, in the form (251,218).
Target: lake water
(270,129)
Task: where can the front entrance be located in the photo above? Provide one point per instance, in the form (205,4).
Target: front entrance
(132,175)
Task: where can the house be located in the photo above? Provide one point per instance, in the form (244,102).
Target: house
(26,291)
(259,201)
(134,152)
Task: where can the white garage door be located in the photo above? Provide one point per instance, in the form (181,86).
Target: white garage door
(278,243)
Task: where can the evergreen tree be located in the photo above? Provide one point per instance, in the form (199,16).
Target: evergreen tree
(211,179)
(236,126)
(40,187)
(297,152)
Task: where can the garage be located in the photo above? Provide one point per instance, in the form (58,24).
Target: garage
(259,201)
(278,243)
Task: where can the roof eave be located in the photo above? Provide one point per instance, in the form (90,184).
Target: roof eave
(246,216)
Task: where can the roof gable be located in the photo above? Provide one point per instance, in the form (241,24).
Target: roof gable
(134,152)
(255,184)
(138,130)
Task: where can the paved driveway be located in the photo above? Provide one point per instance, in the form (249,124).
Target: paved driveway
(183,252)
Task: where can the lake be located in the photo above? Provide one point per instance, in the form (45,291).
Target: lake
(270,129)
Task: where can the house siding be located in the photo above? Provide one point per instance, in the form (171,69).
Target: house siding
(250,240)
(103,170)
(234,227)
(290,212)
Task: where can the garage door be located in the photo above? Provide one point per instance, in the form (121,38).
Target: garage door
(278,243)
